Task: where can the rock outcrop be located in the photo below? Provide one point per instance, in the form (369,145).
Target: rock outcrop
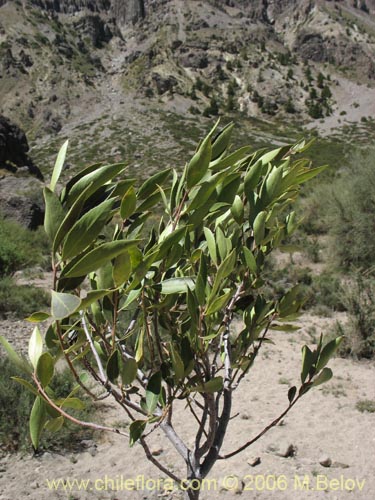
(20,184)
(124,11)
(14,148)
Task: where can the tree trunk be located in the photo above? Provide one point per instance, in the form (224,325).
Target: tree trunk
(192,494)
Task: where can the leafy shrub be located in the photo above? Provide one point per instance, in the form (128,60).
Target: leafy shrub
(20,301)
(358,297)
(20,247)
(352,219)
(15,406)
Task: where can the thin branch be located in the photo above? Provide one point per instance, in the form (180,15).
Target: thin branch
(255,353)
(258,436)
(159,465)
(92,347)
(175,439)
(70,364)
(211,406)
(114,324)
(82,423)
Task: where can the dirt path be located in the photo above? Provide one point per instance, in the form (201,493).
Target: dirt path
(324,426)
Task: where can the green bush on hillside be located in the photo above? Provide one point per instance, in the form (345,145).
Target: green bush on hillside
(15,406)
(352,209)
(19,247)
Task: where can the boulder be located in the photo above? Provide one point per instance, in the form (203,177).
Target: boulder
(14,148)
(20,182)
(21,200)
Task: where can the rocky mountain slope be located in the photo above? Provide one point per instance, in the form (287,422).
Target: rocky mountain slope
(109,68)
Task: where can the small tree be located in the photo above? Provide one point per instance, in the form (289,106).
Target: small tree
(146,309)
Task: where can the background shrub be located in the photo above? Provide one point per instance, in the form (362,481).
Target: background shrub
(15,406)
(19,301)
(20,247)
(352,213)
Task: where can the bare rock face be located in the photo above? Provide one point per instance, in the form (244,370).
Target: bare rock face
(129,11)
(14,148)
(20,185)
(21,200)
(72,6)
(124,11)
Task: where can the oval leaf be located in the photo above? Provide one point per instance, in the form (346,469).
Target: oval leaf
(35,346)
(44,369)
(96,258)
(153,391)
(63,304)
(198,165)
(129,371)
(86,229)
(136,430)
(128,203)
(37,420)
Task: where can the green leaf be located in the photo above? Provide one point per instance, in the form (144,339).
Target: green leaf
(136,429)
(252,178)
(92,297)
(175,285)
(113,366)
(171,240)
(70,218)
(122,268)
(55,424)
(307,362)
(63,304)
(273,182)
(54,213)
(211,244)
(237,209)
(38,317)
(45,368)
(310,174)
(16,359)
(213,385)
(93,181)
(230,160)
(128,371)
(151,184)
(325,375)
(221,141)
(153,391)
(219,303)
(139,346)
(86,229)
(26,384)
(287,327)
(250,260)
(291,393)
(177,364)
(35,346)
(260,227)
(58,166)
(74,403)
(224,270)
(198,165)
(38,418)
(128,203)
(327,352)
(96,258)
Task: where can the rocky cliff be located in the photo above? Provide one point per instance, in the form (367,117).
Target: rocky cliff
(123,11)
(67,62)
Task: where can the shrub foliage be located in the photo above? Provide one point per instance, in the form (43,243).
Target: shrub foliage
(147,307)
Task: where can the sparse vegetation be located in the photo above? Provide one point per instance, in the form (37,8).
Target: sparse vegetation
(16,401)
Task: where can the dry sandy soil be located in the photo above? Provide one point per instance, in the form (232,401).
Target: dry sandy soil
(324,427)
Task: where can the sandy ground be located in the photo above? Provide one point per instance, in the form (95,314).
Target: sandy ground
(324,426)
